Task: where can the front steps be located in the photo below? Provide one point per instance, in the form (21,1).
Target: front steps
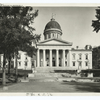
(47,74)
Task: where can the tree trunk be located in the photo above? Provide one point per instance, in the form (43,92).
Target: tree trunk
(9,65)
(16,72)
(4,71)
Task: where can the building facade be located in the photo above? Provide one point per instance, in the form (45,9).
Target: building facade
(55,53)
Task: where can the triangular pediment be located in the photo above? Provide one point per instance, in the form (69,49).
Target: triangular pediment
(55,42)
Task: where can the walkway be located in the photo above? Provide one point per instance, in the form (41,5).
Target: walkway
(35,86)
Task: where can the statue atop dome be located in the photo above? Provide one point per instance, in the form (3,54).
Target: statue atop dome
(52,18)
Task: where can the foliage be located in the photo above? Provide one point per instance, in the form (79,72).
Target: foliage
(96,23)
(96,57)
(16,32)
(15,29)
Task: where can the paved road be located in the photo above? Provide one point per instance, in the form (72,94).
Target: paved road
(35,86)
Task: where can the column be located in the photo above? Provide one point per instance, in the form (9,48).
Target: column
(64,58)
(90,60)
(44,63)
(50,58)
(14,62)
(57,57)
(38,58)
(69,58)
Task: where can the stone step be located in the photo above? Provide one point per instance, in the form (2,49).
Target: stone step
(42,79)
(48,75)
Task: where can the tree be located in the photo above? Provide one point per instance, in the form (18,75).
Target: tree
(96,57)
(96,51)
(16,32)
(96,23)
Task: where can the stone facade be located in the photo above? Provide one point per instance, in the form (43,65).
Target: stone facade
(55,53)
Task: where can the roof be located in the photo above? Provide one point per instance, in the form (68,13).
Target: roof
(52,24)
(81,50)
(57,40)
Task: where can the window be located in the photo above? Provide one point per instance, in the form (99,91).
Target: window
(19,63)
(66,56)
(80,63)
(73,56)
(73,63)
(53,34)
(57,35)
(66,63)
(25,56)
(80,56)
(25,63)
(86,63)
(86,56)
(45,37)
(19,56)
(49,35)
(32,63)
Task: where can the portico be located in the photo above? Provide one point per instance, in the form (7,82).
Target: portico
(53,51)
(51,57)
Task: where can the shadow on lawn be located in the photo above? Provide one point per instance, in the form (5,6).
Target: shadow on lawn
(89,87)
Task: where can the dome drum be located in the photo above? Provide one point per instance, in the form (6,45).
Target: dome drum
(52,30)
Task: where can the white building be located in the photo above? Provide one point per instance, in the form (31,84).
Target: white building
(55,53)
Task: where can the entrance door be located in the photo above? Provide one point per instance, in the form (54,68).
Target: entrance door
(53,62)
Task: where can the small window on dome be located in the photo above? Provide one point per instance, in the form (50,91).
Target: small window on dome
(49,35)
(53,34)
(57,35)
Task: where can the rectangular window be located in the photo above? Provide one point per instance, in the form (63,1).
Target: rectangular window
(66,56)
(26,57)
(66,63)
(80,56)
(32,63)
(49,35)
(74,63)
(86,56)
(19,56)
(53,35)
(57,35)
(73,56)
(19,63)
(25,63)
(86,63)
(80,63)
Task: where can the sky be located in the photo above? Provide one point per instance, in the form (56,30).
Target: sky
(75,23)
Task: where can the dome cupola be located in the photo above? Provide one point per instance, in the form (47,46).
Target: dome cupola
(52,30)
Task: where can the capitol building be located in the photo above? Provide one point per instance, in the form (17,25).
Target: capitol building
(54,53)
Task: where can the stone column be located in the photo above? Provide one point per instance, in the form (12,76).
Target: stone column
(69,59)
(57,58)
(50,58)
(64,58)
(38,58)
(44,63)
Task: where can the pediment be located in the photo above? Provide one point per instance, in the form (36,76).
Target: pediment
(55,42)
